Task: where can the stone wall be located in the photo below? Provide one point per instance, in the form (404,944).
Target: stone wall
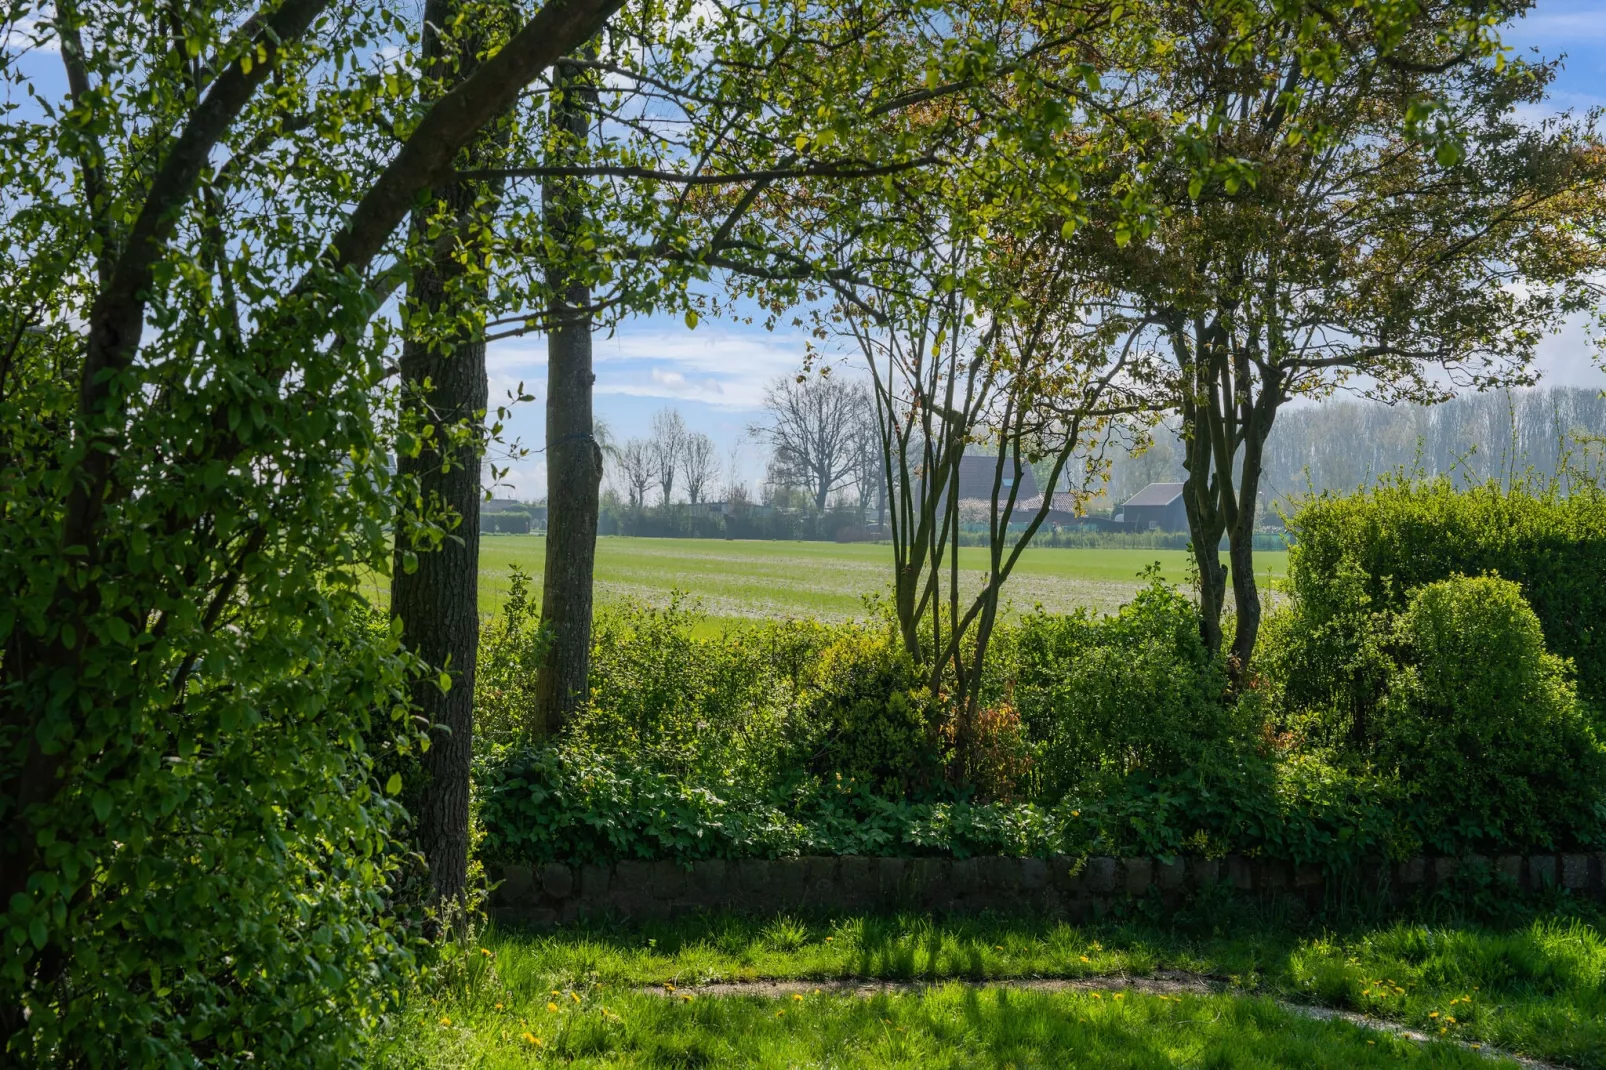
(634,891)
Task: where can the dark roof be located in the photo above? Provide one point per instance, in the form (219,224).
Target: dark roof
(1156,494)
(977,472)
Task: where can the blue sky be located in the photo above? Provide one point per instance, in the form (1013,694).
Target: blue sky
(715,374)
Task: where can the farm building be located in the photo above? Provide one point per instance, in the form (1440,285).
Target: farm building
(1157,507)
(976,475)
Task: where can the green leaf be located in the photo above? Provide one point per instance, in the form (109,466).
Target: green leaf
(394,784)
(101,803)
(691,319)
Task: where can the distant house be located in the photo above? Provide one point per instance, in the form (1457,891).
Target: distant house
(978,472)
(1157,507)
(507,516)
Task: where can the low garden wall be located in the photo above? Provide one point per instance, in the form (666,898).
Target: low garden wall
(1061,887)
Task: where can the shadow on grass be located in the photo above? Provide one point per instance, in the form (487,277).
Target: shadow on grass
(1532,979)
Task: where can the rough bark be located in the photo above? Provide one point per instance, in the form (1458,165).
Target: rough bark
(1201,488)
(438,601)
(574,458)
(444,384)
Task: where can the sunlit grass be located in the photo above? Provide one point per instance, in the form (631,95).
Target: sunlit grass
(948,1026)
(1538,987)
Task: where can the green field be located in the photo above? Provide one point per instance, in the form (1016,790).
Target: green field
(736,580)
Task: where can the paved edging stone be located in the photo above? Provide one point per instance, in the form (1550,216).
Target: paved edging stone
(1076,889)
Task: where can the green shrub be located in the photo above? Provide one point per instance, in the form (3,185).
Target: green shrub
(1118,695)
(1403,534)
(1482,726)
(866,719)
(1326,661)
(1295,808)
(703,708)
(511,647)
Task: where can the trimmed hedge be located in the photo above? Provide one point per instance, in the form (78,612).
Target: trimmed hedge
(1403,534)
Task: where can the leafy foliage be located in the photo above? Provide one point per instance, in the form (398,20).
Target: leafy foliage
(1367,551)
(1125,742)
(1136,692)
(1482,727)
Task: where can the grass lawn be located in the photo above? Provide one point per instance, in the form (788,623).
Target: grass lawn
(1536,986)
(743,580)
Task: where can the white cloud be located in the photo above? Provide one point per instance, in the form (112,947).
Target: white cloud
(717,364)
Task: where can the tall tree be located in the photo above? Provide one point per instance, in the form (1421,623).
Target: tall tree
(815,427)
(698,150)
(668,444)
(435,578)
(701,463)
(192,498)
(636,467)
(574,458)
(1386,218)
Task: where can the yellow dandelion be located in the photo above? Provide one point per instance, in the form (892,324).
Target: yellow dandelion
(1371,1042)
(797,997)
(1120,995)
(485,951)
(1098,995)
(1450,1018)
(551,1008)
(1086,959)
(998,947)
(685,997)
(816,991)
(1443,1029)
(555,992)
(828,939)
(574,996)
(532,1040)
(780,1014)
(667,987)
(498,1006)
(1476,1047)
(1435,1014)
(446,1021)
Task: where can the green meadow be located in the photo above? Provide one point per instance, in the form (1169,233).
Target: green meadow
(749,580)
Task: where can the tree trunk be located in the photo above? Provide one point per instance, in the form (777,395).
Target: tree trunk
(1257,418)
(1200,490)
(437,602)
(574,459)
(444,385)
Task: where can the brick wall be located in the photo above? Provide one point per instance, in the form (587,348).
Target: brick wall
(633,891)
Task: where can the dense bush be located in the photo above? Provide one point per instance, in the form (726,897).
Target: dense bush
(1372,727)
(1134,692)
(1482,727)
(699,707)
(1403,534)
(1453,702)
(866,719)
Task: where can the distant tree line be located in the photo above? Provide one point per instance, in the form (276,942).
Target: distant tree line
(1504,435)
